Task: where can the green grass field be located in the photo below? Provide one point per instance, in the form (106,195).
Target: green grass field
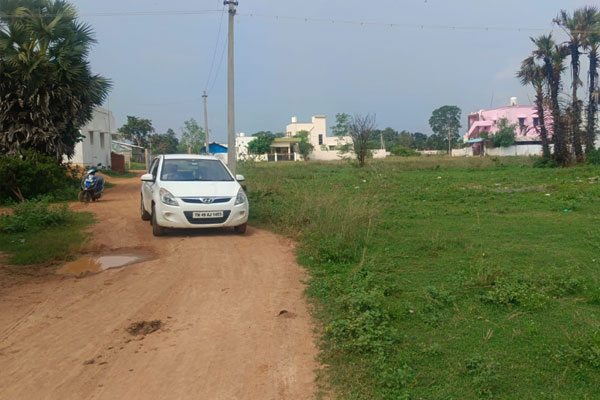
(47,244)
(438,278)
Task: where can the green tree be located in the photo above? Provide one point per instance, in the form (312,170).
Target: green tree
(419,140)
(137,130)
(262,143)
(533,74)
(47,88)
(342,122)
(553,57)
(165,143)
(304,147)
(593,47)
(445,123)
(577,27)
(506,134)
(192,137)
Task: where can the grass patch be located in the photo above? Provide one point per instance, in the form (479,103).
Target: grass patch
(438,277)
(137,166)
(117,174)
(37,233)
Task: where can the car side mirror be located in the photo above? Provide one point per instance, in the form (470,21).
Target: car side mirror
(240,178)
(147,178)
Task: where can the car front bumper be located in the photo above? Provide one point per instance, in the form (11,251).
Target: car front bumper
(182,216)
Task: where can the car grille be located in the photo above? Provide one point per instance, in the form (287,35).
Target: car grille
(215,200)
(192,220)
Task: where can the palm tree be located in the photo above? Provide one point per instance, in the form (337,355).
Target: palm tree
(593,46)
(47,88)
(533,74)
(553,57)
(577,27)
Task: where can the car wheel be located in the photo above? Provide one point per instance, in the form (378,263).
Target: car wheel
(240,228)
(145,214)
(157,230)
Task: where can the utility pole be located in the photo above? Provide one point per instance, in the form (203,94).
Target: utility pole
(204,96)
(231,153)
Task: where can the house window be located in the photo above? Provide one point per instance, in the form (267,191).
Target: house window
(320,139)
(92,138)
(521,121)
(101,140)
(536,122)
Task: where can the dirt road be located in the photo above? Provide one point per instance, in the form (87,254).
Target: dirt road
(218,297)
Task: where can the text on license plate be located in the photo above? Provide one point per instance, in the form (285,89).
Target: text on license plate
(207,214)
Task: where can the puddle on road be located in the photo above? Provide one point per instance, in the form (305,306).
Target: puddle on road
(91,265)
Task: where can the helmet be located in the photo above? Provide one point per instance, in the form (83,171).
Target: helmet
(92,171)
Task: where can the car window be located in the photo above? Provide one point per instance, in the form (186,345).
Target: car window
(154,168)
(194,170)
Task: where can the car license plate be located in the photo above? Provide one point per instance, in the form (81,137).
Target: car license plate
(208,214)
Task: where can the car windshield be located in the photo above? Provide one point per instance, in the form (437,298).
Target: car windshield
(194,170)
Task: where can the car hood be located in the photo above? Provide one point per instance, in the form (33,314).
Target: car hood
(201,189)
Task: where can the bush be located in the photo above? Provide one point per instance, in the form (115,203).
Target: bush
(32,175)
(543,162)
(593,157)
(404,151)
(30,216)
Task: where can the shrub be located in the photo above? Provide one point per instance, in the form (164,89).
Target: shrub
(31,175)
(593,157)
(404,151)
(33,216)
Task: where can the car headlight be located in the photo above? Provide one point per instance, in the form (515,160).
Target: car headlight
(167,198)
(241,197)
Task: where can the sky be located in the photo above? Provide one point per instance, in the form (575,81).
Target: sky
(407,58)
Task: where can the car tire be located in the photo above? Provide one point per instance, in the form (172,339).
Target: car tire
(157,230)
(145,214)
(240,228)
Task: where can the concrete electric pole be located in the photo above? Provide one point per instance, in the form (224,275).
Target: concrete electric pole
(204,96)
(231,153)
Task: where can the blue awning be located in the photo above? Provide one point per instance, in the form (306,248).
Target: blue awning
(476,140)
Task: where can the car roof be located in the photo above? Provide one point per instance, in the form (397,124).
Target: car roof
(188,157)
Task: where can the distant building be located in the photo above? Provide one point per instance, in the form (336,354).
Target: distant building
(324,147)
(527,136)
(95,148)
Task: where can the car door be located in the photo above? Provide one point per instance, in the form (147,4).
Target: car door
(148,187)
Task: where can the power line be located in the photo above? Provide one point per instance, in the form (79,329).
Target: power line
(212,63)
(330,21)
(120,14)
(218,67)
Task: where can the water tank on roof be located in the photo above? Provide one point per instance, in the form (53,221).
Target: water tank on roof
(513,101)
(294,120)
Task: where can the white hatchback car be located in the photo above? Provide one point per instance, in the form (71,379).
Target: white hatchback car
(192,191)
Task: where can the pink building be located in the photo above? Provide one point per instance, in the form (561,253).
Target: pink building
(524,117)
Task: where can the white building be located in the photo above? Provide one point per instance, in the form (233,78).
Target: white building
(96,145)
(324,147)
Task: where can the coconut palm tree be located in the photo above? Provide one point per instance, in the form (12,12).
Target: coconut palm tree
(593,47)
(47,89)
(577,28)
(533,74)
(553,57)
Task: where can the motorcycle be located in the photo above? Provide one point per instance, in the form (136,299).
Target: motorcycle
(92,186)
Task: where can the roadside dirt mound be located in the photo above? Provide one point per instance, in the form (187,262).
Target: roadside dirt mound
(144,327)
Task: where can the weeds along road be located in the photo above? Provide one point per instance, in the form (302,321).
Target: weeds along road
(218,295)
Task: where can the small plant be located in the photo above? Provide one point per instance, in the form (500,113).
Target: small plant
(404,152)
(30,216)
(517,292)
(484,374)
